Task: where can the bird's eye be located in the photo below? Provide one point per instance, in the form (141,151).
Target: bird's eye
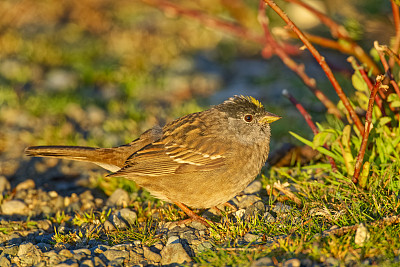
(248,118)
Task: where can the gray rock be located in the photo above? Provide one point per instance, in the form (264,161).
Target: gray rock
(247,200)
(249,237)
(44,224)
(12,251)
(86,263)
(127,215)
(281,208)
(256,209)
(253,188)
(265,261)
(25,185)
(4,186)
(108,226)
(173,240)
(14,207)
(150,255)
(44,247)
(4,262)
(292,263)
(118,223)
(269,217)
(174,253)
(113,254)
(119,198)
(98,262)
(204,246)
(29,254)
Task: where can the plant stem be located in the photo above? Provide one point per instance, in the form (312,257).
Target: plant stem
(322,62)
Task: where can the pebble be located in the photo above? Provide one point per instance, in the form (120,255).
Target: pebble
(281,208)
(253,188)
(262,262)
(150,255)
(362,235)
(174,253)
(113,254)
(4,185)
(247,200)
(108,226)
(256,209)
(292,263)
(25,185)
(118,223)
(250,238)
(29,254)
(14,207)
(127,215)
(119,198)
(269,217)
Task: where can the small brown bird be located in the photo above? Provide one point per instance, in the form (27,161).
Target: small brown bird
(200,160)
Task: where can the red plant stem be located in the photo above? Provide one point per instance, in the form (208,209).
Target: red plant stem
(322,62)
(396,19)
(277,49)
(338,31)
(386,67)
(391,54)
(365,77)
(368,119)
(309,121)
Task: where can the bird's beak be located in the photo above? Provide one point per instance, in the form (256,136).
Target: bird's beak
(269,118)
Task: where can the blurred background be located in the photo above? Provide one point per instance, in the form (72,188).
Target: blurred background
(100,72)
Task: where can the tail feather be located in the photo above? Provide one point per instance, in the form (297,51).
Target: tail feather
(111,159)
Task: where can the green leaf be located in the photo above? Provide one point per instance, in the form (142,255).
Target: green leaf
(322,150)
(392,97)
(358,82)
(384,120)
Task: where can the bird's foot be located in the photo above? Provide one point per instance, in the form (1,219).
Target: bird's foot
(193,216)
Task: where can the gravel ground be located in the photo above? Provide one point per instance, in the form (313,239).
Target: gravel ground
(29,236)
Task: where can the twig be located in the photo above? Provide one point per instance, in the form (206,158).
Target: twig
(391,54)
(368,119)
(396,19)
(366,79)
(322,62)
(344,230)
(386,67)
(288,193)
(309,121)
(277,49)
(338,31)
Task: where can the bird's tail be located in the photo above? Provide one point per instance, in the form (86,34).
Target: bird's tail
(111,159)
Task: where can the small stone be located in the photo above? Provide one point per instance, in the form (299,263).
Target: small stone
(29,254)
(66,253)
(174,253)
(150,255)
(118,223)
(12,251)
(25,185)
(204,246)
(4,262)
(261,262)
(253,188)
(86,263)
(4,186)
(362,235)
(119,198)
(252,238)
(197,225)
(173,240)
(44,224)
(292,263)
(281,208)
(254,210)
(98,262)
(247,200)
(269,217)
(127,215)
(14,207)
(113,254)
(53,194)
(108,226)
(44,247)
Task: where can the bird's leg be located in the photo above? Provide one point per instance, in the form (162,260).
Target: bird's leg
(193,216)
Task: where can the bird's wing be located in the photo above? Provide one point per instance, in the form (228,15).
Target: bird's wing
(165,159)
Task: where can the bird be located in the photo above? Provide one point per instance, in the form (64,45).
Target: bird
(200,160)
